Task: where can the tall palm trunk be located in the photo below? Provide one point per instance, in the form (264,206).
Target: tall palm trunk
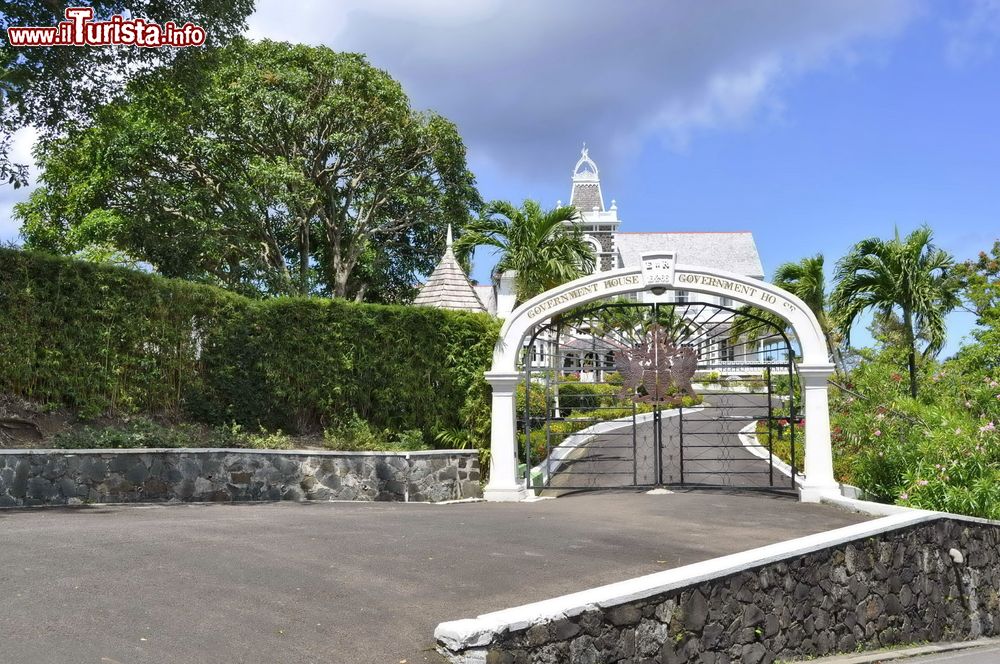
(838,357)
(911,346)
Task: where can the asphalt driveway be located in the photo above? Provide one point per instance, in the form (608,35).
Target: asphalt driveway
(711,453)
(338,582)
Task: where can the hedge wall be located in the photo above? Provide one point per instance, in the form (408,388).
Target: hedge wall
(106,340)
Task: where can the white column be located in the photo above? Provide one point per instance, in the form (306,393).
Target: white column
(506,296)
(503,484)
(819,481)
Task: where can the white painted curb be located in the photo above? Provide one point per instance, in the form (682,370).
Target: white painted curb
(748,438)
(459,635)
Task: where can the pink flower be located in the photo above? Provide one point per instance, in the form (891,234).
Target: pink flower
(923,482)
(877,433)
(986,428)
(904,496)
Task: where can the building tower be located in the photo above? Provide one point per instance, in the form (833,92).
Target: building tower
(448,287)
(599,224)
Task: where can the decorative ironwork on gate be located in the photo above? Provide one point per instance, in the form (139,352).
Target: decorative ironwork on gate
(642,394)
(657,371)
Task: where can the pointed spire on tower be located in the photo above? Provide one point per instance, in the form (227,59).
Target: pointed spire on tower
(448,287)
(586,193)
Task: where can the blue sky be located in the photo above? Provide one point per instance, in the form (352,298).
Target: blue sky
(812,124)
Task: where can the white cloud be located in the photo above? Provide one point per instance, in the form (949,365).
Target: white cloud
(527,81)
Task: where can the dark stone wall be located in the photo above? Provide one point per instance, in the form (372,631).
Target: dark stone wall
(607,242)
(900,587)
(60,477)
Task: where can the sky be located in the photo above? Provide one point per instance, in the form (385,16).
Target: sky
(811,124)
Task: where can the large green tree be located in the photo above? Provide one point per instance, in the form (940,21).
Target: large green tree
(544,247)
(46,87)
(280,169)
(909,277)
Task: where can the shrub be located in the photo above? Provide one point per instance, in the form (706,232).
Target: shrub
(107,340)
(142,432)
(356,434)
(577,396)
(940,451)
(537,401)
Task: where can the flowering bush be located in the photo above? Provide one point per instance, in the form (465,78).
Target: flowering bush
(940,451)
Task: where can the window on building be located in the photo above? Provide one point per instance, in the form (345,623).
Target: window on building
(727,352)
(681,296)
(538,353)
(726,301)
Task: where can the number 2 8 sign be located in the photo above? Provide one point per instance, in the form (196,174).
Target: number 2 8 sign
(658,269)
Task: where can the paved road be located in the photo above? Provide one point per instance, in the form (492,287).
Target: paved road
(712,452)
(343,583)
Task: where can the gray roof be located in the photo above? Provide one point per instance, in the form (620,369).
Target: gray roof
(448,287)
(733,251)
(586,196)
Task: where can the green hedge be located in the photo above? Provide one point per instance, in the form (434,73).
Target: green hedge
(106,340)
(587,396)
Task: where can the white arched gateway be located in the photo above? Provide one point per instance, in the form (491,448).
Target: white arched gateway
(659,273)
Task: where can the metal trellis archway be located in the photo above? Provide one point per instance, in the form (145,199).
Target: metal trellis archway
(582,424)
(659,273)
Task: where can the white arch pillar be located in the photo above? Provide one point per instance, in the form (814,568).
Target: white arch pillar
(504,485)
(819,480)
(660,271)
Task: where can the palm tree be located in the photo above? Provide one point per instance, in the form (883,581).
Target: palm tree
(909,275)
(544,247)
(805,280)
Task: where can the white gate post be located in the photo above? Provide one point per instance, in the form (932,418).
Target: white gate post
(819,481)
(503,484)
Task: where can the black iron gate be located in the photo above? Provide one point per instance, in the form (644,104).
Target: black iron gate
(632,394)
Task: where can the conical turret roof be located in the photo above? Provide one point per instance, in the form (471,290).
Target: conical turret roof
(448,287)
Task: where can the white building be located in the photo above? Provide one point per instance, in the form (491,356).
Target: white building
(734,251)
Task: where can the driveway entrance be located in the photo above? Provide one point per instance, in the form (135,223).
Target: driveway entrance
(633,394)
(338,583)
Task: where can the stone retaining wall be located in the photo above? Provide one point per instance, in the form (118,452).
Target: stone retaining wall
(938,580)
(60,477)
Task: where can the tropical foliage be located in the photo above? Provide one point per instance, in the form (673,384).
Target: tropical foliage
(806,280)
(906,279)
(541,246)
(938,451)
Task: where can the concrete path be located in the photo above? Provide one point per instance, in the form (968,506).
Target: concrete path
(981,651)
(987,655)
(346,583)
